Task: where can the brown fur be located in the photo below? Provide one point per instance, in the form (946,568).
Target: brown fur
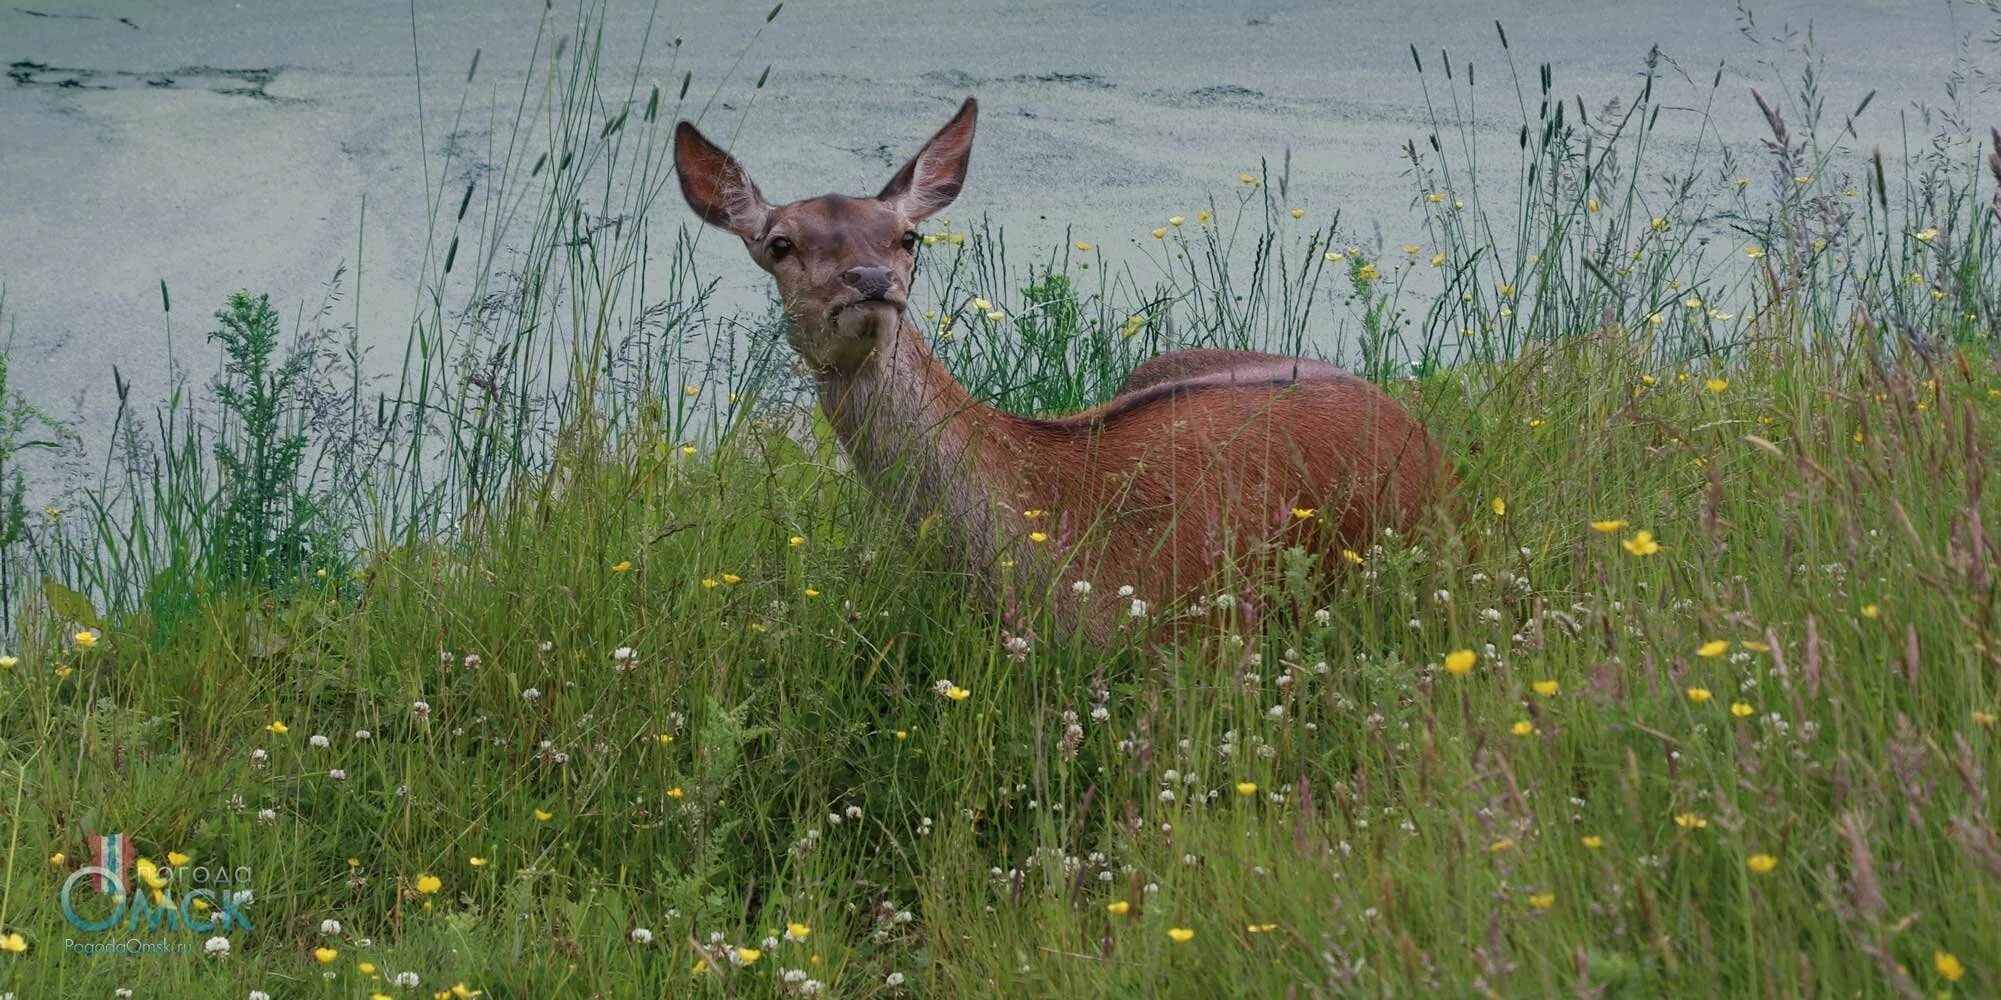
(1200,464)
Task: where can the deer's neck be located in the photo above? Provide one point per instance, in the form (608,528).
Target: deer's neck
(924,444)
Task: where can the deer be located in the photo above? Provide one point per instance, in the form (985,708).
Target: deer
(1203,466)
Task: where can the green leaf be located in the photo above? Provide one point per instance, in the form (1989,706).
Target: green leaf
(70,604)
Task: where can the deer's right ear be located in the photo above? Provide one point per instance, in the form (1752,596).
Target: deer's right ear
(934,176)
(716,185)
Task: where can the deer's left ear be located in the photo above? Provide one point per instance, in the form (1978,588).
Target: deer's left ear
(934,176)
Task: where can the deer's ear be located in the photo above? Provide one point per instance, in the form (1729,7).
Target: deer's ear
(934,176)
(716,185)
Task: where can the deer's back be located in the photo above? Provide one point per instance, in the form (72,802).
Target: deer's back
(1160,487)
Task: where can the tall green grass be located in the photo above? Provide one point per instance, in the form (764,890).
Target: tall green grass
(568,663)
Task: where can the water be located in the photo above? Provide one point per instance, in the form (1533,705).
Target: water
(224,146)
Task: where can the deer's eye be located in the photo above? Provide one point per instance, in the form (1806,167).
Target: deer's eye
(778,247)
(910,241)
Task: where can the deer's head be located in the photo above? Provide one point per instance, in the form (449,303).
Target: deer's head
(843,264)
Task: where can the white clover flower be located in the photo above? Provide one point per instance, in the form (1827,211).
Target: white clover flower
(892,980)
(531,694)
(363,735)
(407,980)
(338,774)
(318,742)
(217,946)
(329,926)
(420,709)
(1138,608)
(1082,588)
(641,935)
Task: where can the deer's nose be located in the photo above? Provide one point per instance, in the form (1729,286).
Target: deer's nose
(872,282)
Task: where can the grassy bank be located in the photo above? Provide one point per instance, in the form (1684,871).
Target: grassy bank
(629,689)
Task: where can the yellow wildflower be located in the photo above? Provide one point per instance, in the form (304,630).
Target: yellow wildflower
(1948,966)
(1712,648)
(1547,689)
(1460,662)
(1181,935)
(1543,900)
(326,955)
(1698,695)
(1118,908)
(1641,544)
(428,884)
(1761,864)
(1247,788)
